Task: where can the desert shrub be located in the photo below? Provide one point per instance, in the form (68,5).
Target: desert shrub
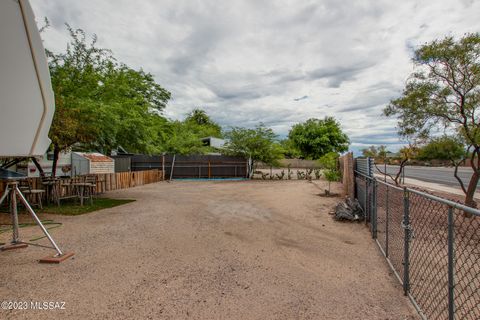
(300,175)
(281,175)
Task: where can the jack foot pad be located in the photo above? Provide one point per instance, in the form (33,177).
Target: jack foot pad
(13,246)
(56,259)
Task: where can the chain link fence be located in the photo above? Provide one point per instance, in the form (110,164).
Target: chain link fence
(432,245)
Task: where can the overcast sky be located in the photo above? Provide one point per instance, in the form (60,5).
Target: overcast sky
(278,62)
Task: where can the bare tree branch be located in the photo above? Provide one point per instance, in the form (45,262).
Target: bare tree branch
(384,173)
(455,174)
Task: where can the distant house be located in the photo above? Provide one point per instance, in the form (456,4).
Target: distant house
(213,142)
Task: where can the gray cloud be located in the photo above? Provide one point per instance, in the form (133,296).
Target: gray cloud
(335,76)
(301,98)
(243,61)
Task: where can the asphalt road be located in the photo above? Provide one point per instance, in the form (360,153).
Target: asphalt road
(440,175)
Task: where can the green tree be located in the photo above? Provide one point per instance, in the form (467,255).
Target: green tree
(202,125)
(259,144)
(329,163)
(406,153)
(75,76)
(183,141)
(102,104)
(443,148)
(444,93)
(370,152)
(290,151)
(315,138)
(130,111)
(379,152)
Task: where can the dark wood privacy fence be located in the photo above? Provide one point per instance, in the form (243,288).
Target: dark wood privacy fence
(193,166)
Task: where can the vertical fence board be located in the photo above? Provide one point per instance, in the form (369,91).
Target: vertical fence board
(108,182)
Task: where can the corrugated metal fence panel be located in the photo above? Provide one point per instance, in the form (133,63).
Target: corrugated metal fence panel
(364,166)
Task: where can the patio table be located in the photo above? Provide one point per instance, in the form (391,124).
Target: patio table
(80,188)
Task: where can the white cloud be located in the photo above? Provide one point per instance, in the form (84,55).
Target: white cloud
(279,62)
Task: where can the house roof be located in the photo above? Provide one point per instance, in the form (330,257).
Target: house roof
(95,157)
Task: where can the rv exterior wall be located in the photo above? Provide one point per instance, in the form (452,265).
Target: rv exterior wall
(26,96)
(64,165)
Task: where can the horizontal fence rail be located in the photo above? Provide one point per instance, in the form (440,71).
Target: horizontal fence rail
(107,182)
(432,244)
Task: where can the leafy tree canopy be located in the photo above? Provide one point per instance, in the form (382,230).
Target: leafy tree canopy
(259,144)
(182,141)
(442,148)
(202,125)
(329,160)
(375,152)
(101,103)
(289,149)
(444,93)
(315,137)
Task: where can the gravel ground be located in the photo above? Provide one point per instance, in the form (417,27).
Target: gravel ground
(208,250)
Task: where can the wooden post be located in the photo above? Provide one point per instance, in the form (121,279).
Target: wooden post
(209,170)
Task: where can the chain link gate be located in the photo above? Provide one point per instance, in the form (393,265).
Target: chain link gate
(432,245)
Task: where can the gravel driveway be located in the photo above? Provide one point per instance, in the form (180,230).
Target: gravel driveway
(209,250)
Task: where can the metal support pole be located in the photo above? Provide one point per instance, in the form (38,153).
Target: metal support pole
(451,266)
(406,248)
(387,218)
(37,220)
(374,209)
(171,169)
(366,202)
(385,170)
(14,213)
(5,194)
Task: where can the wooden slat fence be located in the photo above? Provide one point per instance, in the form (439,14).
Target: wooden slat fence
(109,181)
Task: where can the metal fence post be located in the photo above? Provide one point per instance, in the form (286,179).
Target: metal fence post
(374,209)
(367,215)
(406,247)
(386,222)
(370,163)
(451,266)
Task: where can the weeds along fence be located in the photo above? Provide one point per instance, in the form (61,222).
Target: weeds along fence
(109,181)
(432,245)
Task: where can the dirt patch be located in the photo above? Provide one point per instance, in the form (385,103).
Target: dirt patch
(209,250)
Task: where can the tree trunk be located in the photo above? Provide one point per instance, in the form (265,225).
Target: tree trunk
(472,187)
(403,163)
(39,167)
(56,153)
